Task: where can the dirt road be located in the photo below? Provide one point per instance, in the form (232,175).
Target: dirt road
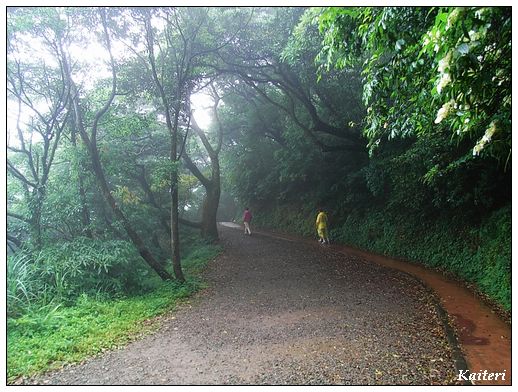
(284,312)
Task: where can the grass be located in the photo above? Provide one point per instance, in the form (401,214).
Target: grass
(48,337)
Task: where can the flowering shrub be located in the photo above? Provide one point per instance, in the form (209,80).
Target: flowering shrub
(450,64)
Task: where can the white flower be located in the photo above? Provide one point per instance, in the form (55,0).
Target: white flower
(452,18)
(443,82)
(441,114)
(490,131)
(473,35)
(481,12)
(444,111)
(444,63)
(477,149)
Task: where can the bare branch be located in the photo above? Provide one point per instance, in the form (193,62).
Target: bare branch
(18,216)
(182,148)
(109,101)
(16,173)
(14,240)
(196,172)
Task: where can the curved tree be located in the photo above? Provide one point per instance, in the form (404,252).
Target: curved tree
(41,92)
(212,183)
(280,73)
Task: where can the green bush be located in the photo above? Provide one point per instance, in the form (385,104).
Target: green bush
(45,336)
(24,283)
(295,220)
(91,266)
(495,256)
(60,272)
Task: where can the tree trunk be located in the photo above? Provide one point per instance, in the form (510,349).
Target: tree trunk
(135,238)
(209,224)
(85,213)
(175,219)
(175,235)
(35,219)
(105,190)
(141,177)
(91,144)
(172,126)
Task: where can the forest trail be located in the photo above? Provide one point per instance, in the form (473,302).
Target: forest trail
(283,311)
(484,337)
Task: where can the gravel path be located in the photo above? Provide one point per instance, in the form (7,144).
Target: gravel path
(284,312)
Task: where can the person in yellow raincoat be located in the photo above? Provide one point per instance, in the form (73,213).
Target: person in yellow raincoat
(321,225)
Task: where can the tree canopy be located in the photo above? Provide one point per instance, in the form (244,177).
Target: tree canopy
(400,110)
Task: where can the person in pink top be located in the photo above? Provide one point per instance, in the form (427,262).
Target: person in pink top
(247,218)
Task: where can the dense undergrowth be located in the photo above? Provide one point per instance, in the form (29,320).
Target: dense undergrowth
(45,335)
(477,253)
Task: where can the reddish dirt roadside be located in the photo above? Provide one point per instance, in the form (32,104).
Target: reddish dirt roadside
(485,339)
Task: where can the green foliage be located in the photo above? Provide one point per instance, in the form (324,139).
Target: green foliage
(48,336)
(91,266)
(430,174)
(24,283)
(472,48)
(495,256)
(46,340)
(60,273)
(450,66)
(436,187)
(298,220)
